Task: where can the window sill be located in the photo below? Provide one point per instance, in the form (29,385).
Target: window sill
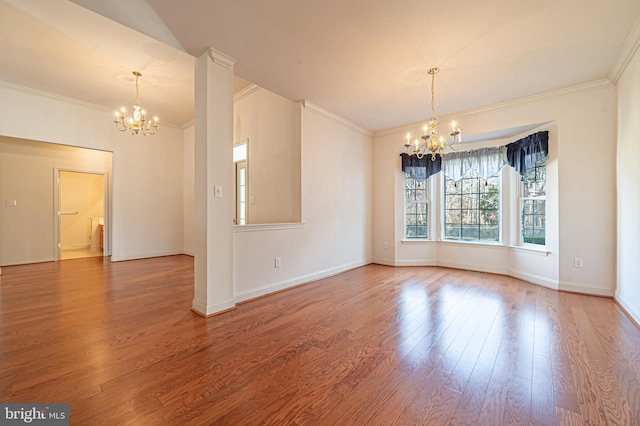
(487,244)
(539,251)
(417,241)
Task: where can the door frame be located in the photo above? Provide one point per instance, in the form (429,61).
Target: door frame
(106,251)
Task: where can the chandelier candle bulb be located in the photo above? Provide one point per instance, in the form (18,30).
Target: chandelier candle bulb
(136,124)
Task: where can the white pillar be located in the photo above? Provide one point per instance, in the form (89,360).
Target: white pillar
(214,184)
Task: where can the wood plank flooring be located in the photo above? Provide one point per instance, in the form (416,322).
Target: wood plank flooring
(373,346)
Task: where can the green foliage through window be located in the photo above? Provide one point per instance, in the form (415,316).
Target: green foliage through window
(415,207)
(533,204)
(472,208)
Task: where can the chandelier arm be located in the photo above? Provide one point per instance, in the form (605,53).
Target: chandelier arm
(453,146)
(137,123)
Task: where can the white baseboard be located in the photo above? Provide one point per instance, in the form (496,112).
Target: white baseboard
(27,261)
(206,310)
(416,262)
(584,289)
(534,279)
(406,262)
(292,282)
(123,257)
(470,267)
(385,262)
(633,314)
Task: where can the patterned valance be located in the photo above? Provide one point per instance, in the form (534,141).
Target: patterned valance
(486,162)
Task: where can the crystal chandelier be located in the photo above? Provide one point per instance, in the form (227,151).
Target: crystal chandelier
(431,143)
(137,123)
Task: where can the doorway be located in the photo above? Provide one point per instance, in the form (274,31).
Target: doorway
(80,213)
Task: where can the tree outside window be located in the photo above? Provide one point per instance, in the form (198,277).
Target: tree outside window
(415,207)
(472,208)
(532,204)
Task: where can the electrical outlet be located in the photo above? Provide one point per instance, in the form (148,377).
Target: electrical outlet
(277,262)
(577,262)
(11,203)
(385,245)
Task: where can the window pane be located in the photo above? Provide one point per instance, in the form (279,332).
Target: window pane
(415,207)
(472,208)
(452,231)
(470,232)
(453,202)
(239,152)
(532,210)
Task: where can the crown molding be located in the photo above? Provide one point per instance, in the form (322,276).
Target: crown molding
(245,92)
(334,117)
(540,97)
(50,95)
(629,48)
(188,124)
(220,58)
(67,99)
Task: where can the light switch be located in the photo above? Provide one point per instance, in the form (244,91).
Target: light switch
(252,200)
(217,191)
(11,203)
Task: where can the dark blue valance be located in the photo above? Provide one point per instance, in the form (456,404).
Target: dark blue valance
(420,168)
(523,154)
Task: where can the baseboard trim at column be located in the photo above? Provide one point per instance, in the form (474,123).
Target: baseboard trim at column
(212,310)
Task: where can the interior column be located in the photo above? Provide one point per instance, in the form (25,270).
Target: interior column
(214,188)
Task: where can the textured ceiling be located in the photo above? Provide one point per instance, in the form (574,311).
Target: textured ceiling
(363,60)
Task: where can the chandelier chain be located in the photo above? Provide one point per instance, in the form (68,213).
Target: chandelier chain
(431,143)
(137,101)
(433,94)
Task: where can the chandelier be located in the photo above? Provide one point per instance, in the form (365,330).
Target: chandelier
(137,123)
(431,143)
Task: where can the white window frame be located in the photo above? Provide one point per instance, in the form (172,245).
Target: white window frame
(427,202)
(443,215)
(520,210)
(241,165)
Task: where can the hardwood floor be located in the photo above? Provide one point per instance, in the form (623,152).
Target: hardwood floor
(375,346)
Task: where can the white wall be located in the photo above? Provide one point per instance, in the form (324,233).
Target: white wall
(27,231)
(336,214)
(271,123)
(147,208)
(336,229)
(188,189)
(580,217)
(628,292)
